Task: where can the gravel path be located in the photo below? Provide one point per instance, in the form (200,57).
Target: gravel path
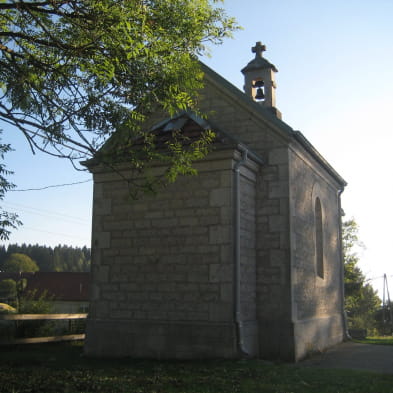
(350,355)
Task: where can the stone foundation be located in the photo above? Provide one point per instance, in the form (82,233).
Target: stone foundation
(160,339)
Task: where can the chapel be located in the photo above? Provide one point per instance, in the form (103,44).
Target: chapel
(242,260)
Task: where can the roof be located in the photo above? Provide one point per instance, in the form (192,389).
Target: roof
(258,63)
(192,125)
(266,115)
(66,286)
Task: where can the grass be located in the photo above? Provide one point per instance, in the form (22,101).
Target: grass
(380,340)
(62,368)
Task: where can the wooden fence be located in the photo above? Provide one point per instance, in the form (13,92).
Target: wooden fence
(31,317)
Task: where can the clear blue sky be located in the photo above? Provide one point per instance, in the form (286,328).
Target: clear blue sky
(335,85)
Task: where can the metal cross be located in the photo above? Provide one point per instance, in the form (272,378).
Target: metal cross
(258,49)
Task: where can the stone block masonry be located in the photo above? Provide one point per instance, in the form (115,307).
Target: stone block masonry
(167,267)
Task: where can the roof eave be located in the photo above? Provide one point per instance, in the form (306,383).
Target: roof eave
(299,137)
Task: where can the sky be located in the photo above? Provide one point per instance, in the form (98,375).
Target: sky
(335,85)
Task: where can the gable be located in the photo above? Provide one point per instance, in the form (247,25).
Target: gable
(185,127)
(253,124)
(235,118)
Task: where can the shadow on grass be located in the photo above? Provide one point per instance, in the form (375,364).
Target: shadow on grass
(62,368)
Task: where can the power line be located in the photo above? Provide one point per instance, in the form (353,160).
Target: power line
(51,186)
(55,216)
(47,213)
(57,234)
(377,278)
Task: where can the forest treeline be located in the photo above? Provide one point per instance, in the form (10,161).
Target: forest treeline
(58,259)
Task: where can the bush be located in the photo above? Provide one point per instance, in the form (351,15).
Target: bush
(30,303)
(8,290)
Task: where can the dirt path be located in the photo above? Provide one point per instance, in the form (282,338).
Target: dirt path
(350,355)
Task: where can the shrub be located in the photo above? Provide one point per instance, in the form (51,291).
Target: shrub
(8,290)
(31,303)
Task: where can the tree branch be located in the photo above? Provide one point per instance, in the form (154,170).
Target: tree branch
(17,5)
(10,51)
(50,44)
(12,119)
(39,8)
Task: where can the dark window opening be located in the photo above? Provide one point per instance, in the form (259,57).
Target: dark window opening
(319,238)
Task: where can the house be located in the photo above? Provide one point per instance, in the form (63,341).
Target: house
(67,291)
(242,260)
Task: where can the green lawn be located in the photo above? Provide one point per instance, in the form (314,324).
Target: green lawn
(385,340)
(62,368)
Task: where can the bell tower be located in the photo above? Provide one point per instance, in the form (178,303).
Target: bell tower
(259,83)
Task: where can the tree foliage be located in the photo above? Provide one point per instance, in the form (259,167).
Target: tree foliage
(8,220)
(361,300)
(61,258)
(74,72)
(17,262)
(8,290)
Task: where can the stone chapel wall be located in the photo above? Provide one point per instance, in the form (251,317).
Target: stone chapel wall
(317,290)
(163,267)
(273,295)
(283,235)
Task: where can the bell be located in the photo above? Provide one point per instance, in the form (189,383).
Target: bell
(259,95)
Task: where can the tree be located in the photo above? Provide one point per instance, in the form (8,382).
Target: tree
(8,221)
(3,255)
(48,259)
(20,263)
(74,72)
(361,300)
(353,276)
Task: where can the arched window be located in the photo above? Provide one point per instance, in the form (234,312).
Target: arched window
(319,238)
